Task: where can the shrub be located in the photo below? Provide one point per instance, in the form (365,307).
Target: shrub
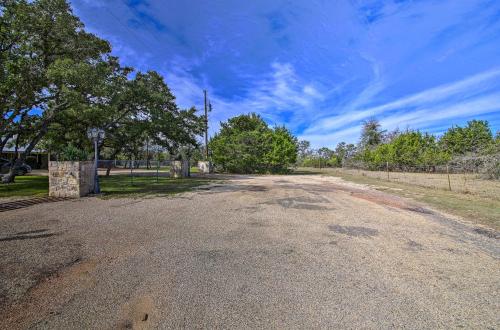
(72,153)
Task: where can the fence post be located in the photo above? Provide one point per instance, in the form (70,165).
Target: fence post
(131,175)
(387,168)
(448,174)
(157,166)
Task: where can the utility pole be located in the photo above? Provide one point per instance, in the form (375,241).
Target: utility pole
(206,125)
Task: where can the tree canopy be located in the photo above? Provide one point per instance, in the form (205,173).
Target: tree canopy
(406,150)
(57,80)
(245,144)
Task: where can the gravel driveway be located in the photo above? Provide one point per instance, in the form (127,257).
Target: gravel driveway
(253,252)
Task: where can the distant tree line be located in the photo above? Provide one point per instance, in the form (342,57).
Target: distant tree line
(57,80)
(403,150)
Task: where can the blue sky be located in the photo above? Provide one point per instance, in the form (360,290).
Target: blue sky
(319,67)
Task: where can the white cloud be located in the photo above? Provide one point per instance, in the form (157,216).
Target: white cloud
(424,106)
(270,96)
(421,118)
(330,140)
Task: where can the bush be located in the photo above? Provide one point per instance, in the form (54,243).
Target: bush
(72,153)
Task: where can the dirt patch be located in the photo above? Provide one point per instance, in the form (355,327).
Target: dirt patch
(249,209)
(55,287)
(418,209)
(383,199)
(216,189)
(303,206)
(487,233)
(212,255)
(256,223)
(414,246)
(256,188)
(137,314)
(354,231)
(301,202)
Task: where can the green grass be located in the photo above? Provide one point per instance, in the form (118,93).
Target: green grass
(112,186)
(193,169)
(142,186)
(28,186)
(473,208)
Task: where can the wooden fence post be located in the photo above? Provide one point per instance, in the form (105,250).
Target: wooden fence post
(387,168)
(448,174)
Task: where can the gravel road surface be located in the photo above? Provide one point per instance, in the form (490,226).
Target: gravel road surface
(252,252)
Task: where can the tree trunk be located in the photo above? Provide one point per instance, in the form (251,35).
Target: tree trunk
(11,175)
(112,162)
(16,164)
(108,169)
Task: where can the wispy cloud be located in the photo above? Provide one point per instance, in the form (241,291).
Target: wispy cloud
(427,116)
(280,97)
(319,67)
(423,106)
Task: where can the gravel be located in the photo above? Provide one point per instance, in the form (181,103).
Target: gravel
(253,252)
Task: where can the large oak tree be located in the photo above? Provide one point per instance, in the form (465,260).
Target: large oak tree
(57,80)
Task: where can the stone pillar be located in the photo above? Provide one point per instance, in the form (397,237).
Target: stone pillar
(179,168)
(205,167)
(71,179)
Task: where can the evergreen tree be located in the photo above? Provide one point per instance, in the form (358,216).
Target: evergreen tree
(245,144)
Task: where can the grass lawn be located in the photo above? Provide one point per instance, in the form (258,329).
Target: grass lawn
(142,186)
(119,185)
(193,169)
(473,208)
(29,186)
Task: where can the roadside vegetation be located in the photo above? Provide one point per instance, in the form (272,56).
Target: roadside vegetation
(473,148)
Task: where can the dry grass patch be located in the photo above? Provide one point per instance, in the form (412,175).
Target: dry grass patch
(477,207)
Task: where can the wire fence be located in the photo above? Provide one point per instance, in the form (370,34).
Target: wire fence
(133,163)
(468,174)
(486,167)
(142,168)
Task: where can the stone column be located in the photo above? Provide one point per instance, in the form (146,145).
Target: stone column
(179,168)
(71,179)
(205,167)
